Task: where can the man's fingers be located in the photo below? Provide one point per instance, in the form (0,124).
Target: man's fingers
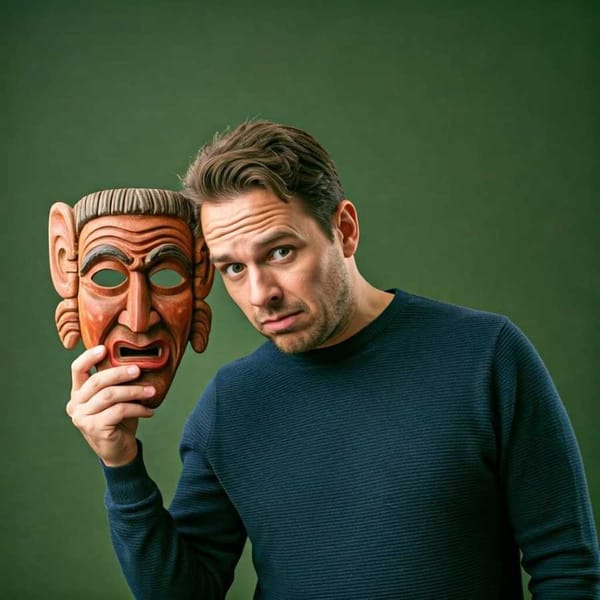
(117,413)
(104,379)
(100,427)
(112,395)
(81,366)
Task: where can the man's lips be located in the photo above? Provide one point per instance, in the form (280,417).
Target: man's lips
(279,324)
(149,356)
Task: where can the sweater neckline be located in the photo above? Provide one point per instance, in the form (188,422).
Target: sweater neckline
(353,344)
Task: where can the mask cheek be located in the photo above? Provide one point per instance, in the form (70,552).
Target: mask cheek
(96,316)
(176,316)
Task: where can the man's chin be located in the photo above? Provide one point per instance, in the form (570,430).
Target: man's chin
(290,343)
(304,340)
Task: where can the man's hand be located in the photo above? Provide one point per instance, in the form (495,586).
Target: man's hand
(104,411)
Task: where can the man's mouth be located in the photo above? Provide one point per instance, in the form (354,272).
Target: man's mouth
(149,356)
(279,324)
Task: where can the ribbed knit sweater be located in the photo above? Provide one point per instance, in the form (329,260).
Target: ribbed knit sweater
(412,461)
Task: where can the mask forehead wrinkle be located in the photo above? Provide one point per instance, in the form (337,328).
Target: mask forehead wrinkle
(138,240)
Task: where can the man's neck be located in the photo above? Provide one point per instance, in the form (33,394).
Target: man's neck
(368,303)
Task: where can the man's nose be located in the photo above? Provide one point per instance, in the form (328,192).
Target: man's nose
(264,288)
(138,315)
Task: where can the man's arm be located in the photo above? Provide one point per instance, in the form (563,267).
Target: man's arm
(189,554)
(543,477)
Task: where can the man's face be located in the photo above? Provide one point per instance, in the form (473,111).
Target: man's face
(280,268)
(135,293)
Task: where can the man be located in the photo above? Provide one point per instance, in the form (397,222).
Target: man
(378,445)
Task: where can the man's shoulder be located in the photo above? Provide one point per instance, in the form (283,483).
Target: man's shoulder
(422,310)
(445,333)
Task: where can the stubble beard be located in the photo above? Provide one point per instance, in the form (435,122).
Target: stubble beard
(329,322)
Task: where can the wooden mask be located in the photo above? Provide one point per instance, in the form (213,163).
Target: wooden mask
(133,272)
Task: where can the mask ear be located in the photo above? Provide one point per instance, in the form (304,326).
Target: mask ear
(204,273)
(62,240)
(66,318)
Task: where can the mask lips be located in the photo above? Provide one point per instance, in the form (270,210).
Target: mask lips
(149,356)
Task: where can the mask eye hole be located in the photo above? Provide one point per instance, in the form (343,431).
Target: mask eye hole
(108,278)
(166,278)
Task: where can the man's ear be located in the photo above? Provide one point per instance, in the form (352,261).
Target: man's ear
(62,239)
(345,226)
(204,273)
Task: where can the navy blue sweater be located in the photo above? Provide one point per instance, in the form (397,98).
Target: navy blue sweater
(414,460)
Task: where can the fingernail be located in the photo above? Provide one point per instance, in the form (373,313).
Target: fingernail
(98,350)
(131,370)
(149,390)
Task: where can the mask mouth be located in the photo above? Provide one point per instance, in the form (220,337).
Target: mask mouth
(149,356)
(124,352)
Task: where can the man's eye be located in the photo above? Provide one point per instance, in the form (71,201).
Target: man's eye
(281,253)
(166,278)
(233,269)
(108,278)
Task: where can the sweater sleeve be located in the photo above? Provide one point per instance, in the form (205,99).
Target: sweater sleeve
(190,550)
(542,475)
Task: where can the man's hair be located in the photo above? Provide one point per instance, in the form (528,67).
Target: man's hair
(259,154)
(136,201)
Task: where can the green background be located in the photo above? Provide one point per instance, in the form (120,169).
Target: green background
(467,134)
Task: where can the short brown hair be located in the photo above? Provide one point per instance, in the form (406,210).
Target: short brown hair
(260,154)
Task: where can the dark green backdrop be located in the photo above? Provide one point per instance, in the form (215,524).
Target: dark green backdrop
(467,133)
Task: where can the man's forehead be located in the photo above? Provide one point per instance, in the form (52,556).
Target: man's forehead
(253,213)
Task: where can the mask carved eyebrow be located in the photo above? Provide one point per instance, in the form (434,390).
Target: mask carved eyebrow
(103,252)
(169,251)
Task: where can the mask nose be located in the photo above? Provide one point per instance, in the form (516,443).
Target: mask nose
(138,315)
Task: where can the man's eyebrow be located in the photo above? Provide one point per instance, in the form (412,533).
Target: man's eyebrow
(169,251)
(102,252)
(266,241)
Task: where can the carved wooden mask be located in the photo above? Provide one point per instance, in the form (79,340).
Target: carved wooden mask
(133,273)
